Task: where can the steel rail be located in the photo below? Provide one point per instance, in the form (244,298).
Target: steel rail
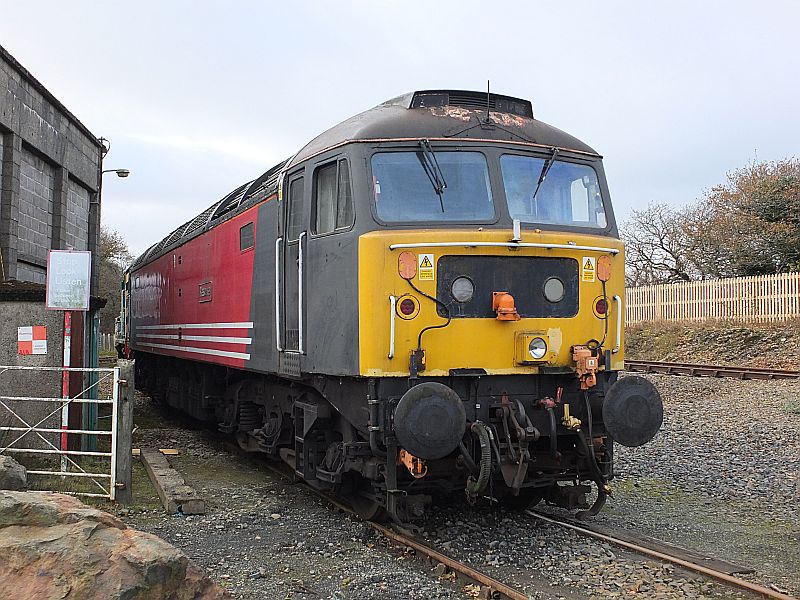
(450,562)
(396,536)
(511,593)
(712,573)
(700,370)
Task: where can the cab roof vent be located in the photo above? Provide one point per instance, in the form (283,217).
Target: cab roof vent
(479,100)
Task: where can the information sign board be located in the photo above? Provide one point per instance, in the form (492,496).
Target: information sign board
(68,279)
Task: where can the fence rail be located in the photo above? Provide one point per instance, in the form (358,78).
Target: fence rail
(763,298)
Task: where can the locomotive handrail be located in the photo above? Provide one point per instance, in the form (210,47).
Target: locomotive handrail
(392,305)
(278,294)
(300,347)
(618,345)
(502,245)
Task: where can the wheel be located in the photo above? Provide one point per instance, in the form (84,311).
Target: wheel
(527,498)
(354,491)
(367,509)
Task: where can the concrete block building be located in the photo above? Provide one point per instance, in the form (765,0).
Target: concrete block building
(50,177)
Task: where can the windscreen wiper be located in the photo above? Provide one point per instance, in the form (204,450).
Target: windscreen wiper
(432,170)
(545,169)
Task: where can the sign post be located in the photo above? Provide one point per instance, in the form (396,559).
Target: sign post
(68,281)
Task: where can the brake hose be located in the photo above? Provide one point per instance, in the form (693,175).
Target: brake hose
(476,486)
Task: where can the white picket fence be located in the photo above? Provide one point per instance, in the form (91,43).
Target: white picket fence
(744,299)
(106,342)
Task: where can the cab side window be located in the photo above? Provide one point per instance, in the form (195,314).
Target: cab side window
(295,225)
(333,201)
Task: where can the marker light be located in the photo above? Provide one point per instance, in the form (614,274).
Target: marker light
(407,306)
(601,306)
(462,289)
(537,348)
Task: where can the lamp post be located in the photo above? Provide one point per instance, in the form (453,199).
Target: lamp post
(120,172)
(92,328)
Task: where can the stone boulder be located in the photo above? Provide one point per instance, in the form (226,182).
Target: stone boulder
(54,546)
(13,475)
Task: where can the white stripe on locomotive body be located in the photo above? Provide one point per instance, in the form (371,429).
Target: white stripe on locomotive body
(199,326)
(208,351)
(198,338)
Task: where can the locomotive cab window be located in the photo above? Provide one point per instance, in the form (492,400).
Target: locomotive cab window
(247,237)
(432,185)
(333,201)
(569,194)
(295,225)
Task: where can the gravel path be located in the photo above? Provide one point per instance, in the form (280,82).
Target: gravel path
(265,538)
(721,478)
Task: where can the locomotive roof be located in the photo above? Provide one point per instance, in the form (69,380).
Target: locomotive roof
(452,114)
(433,114)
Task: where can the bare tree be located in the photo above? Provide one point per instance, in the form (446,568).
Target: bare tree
(114,259)
(656,246)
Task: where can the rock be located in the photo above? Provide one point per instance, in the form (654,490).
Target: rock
(13,475)
(54,546)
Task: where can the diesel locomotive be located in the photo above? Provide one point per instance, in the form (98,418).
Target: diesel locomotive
(425,301)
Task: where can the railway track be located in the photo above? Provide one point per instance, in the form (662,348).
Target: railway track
(714,569)
(107,361)
(695,370)
(717,570)
(674,555)
(398,535)
(685,559)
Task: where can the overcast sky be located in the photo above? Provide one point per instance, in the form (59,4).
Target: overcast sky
(198,97)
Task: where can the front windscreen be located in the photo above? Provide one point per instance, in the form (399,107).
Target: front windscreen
(431,186)
(568,195)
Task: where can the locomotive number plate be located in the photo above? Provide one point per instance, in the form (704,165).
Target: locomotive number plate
(205,292)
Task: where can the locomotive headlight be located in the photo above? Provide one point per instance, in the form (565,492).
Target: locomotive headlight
(537,348)
(532,347)
(462,289)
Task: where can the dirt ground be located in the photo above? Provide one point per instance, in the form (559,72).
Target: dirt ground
(769,345)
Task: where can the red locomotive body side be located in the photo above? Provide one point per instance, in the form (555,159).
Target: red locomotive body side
(194,301)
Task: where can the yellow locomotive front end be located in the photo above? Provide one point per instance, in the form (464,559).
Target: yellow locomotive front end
(501,336)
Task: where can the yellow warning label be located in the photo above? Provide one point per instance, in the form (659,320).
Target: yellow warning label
(588,268)
(426,271)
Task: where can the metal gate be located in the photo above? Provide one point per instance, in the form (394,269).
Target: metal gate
(35,429)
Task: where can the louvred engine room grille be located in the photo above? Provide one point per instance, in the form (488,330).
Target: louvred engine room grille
(478,100)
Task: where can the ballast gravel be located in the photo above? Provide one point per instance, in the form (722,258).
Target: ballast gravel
(721,477)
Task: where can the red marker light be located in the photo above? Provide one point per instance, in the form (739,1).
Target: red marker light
(407,306)
(601,306)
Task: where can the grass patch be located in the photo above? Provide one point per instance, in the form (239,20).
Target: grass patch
(792,408)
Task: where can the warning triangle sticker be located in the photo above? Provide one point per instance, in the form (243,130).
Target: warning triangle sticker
(426,263)
(588,266)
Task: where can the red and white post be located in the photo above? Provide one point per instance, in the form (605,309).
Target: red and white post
(65,386)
